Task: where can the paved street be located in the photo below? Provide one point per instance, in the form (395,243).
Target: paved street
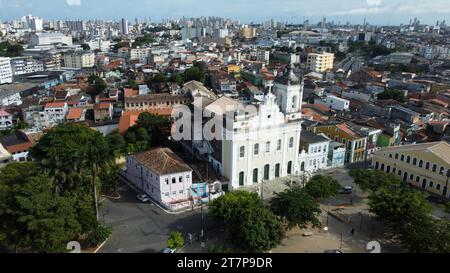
(144,228)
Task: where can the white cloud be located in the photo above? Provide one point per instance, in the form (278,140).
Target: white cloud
(373,2)
(73,2)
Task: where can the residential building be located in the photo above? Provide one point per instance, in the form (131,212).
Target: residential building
(5,120)
(22,66)
(320,62)
(155,101)
(76,114)
(6,73)
(336,155)
(79,59)
(140,54)
(425,166)
(18,145)
(103,111)
(56,112)
(335,103)
(162,175)
(313,152)
(344,133)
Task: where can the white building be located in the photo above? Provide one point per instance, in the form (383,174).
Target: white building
(99,44)
(22,66)
(49,38)
(56,112)
(289,93)
(140,54)
(79,59)
(262,145)
(162,175)
(320,62)
(5,120)
(6,74)
(335,103)
(313,152)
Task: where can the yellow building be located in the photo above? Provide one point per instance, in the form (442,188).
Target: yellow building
(320,62)
(232,68)
(355,143)
(248,32)
(425,166)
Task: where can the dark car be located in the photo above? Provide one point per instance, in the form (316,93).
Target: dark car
(346,190)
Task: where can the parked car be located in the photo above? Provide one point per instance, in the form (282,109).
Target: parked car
(435,199)
(332,251)
(143,198)
(168,250)
(346,190)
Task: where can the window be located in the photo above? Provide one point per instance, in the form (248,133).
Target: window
(431,183)
(320,149)
(268,147)
(438,187)
(279,145)
(289,167)
(256,149)
(188,176)
(241,179)
(181,191)
(427,165)
(399,172)
(408,159)
(174,193)
(418,179)
(166,194)
(180,179)
(291,142)
(255,175)
(174,180)
(242,151)
(411,177)
(434,167)
(390,155)
(396,156)
(441,170)
(324,149)
(421,163)
(402,158)
(377,164)
(382,167)
(167,181)
(415,161)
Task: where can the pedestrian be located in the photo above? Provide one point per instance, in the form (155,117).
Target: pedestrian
(353,231)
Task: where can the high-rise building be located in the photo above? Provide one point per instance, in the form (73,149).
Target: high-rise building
(6,75)
(78,26)
(320,62)
(123,27)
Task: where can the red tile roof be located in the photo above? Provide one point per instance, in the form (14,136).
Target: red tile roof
(55,104)
(75,113)
(3,113)
(129,118)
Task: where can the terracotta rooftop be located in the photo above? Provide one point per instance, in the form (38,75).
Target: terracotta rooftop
(75,113)
(162,161)
(55,104)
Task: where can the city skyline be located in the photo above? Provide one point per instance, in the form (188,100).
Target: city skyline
(379,12)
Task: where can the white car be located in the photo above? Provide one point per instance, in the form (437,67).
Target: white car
(168,250)
(143,198)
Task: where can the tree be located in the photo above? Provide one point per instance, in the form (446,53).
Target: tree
(194,74)
(393,94)
(158,78)
(249,224)
(86,149)
(175,240)
(116,143)
(176,78)
(85,47)
(407,213)
(98,235)
(33,216)
(10,50)
(296,207)
(372,180)
(320,186)
(98,85)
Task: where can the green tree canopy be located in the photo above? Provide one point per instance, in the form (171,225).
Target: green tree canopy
(33,216)
(249,224)
(10,50)
(392,94)
(320,186)
(194,74)
(175,240)
(296,207)
(85,47)
(98,85)
(372,180)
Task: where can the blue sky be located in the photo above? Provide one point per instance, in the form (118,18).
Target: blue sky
(376,11)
